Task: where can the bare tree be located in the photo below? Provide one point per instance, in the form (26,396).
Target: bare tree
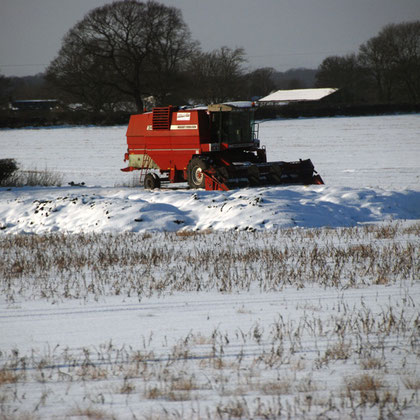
(336,71)
(217,76)
(386,69)
(5,89)
(81,78)
(392,58)
(376,57)
(261,82)
(129,48)
(344,73)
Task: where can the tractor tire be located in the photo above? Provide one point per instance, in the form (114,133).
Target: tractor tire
(151,181)
(195,176)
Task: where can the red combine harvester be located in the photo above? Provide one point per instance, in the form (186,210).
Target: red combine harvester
(215,148)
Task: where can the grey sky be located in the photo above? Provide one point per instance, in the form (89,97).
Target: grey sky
(276,33)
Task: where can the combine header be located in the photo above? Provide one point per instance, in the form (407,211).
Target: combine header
(215,148)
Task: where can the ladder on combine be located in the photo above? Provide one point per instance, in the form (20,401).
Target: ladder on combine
(145,166)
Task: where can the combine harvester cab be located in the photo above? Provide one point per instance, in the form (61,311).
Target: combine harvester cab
(215,148)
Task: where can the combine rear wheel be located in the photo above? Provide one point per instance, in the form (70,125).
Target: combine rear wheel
(195,168)
(151,181)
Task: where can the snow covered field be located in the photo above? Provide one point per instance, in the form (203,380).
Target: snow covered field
(281,302)
(379,151)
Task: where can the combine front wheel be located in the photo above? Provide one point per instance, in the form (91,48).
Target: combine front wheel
(195,174)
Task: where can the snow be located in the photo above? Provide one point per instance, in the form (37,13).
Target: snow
(91,209)
(31,325)
(378,151)
(257,338)
(370,166)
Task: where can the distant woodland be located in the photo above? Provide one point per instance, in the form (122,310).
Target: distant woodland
(128,56)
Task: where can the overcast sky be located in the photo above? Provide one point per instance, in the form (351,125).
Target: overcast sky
(277,33)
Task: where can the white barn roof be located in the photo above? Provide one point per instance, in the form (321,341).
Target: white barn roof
(298,95)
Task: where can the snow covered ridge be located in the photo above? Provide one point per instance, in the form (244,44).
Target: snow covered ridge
(73,210)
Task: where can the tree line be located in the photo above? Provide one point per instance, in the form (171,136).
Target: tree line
(130,54)
(385,70)
(134,52)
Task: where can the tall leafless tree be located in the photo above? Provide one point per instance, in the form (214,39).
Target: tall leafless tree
(393,61)
(374,56)
(260,82)
(127,48)
(343,72)
(4,90)
(217,76)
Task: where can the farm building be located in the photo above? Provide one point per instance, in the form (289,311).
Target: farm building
(34,104)
(283,97)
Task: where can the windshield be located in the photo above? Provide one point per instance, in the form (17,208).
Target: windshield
(232,127)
